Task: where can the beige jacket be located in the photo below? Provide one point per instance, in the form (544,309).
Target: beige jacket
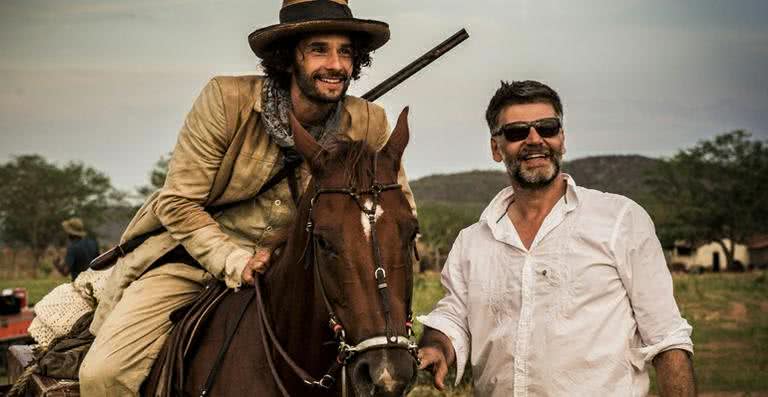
(223,155)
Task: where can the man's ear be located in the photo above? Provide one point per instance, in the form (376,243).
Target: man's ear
(563,132)
(496,151)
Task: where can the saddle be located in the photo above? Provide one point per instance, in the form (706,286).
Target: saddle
(168,376)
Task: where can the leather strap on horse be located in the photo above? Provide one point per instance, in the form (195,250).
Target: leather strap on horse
(224,348)
(267,326)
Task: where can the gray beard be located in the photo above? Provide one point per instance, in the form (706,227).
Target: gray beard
(534,179)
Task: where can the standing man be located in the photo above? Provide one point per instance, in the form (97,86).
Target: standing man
(233,140)
(81,249)
(558,290)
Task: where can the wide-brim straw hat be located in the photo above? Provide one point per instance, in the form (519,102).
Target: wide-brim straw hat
(74,227)
(317,16)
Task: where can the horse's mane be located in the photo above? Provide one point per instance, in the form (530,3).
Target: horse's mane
(356,158)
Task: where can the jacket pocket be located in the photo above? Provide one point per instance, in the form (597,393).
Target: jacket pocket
(248,176)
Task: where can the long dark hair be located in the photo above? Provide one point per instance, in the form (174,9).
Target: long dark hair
(280,57)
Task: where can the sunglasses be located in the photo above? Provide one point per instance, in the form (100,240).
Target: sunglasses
(518,131)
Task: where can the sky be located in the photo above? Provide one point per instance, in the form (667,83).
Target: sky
(108,83)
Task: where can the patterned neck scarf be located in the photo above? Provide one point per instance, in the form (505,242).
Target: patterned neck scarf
(276,103)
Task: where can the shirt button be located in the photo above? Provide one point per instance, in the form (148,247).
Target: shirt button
(268,228)
(278,202)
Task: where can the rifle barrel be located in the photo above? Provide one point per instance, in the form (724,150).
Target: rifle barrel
(408,71)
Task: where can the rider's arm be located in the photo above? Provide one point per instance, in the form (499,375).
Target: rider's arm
(196,159)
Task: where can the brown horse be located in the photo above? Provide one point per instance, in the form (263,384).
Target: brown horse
(347,263)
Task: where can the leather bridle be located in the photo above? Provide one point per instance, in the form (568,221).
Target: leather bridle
(346,351)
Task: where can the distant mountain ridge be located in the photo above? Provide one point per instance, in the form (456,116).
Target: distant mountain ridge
(621,174)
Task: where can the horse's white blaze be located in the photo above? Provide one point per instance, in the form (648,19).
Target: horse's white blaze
(364,218)
(387,381)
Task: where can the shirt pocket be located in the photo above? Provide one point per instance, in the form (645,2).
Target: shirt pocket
(248,175)
(555,286)
(495,294)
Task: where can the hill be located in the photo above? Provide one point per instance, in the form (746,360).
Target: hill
(450,202)
(622,174)
(626,175)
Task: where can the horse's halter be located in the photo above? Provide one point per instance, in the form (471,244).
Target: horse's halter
(346,351)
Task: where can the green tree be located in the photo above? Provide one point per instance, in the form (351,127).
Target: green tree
(156,177)
(440,224)
(36,196)
(716,190)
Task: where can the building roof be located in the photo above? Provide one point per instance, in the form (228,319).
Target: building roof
(758,242)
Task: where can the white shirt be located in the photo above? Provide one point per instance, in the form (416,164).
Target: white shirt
(580,313)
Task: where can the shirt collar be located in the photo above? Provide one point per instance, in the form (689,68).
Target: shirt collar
(498,206)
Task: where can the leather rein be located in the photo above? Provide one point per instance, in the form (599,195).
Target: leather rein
(346,351)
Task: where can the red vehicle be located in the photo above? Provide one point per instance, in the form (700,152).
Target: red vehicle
(15,315)
(15,318)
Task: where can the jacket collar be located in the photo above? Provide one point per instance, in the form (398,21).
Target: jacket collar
(257,95)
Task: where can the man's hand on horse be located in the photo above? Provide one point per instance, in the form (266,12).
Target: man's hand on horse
(433,360)
(258,263)
(436,354)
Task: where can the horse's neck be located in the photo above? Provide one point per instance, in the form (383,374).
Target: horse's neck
(299,320)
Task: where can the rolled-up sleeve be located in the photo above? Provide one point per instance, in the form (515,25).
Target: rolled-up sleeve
(196,159)
(646,277)
(450,313)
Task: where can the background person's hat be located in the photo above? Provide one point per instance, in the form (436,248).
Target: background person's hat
(315,16)
(74,227)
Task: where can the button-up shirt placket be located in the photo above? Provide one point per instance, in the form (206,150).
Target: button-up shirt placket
(524,329)
(528,294)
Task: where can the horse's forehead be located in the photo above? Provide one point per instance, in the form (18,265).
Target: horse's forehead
(365,221)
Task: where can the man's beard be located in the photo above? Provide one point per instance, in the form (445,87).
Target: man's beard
(537,177)
(309,89)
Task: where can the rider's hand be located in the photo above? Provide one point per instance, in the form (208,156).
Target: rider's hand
(258,263)
(433,360)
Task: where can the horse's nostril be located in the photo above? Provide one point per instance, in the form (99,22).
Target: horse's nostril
(361,380)
(363,374)
(383,373)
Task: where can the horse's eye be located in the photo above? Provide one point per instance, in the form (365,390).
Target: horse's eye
(324,244)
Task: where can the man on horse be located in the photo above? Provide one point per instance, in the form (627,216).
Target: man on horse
(558,290)
(216,218)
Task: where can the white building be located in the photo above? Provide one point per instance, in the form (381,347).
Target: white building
(710,256)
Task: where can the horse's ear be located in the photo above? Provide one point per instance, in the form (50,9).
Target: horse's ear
(305,144)
(400,135)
